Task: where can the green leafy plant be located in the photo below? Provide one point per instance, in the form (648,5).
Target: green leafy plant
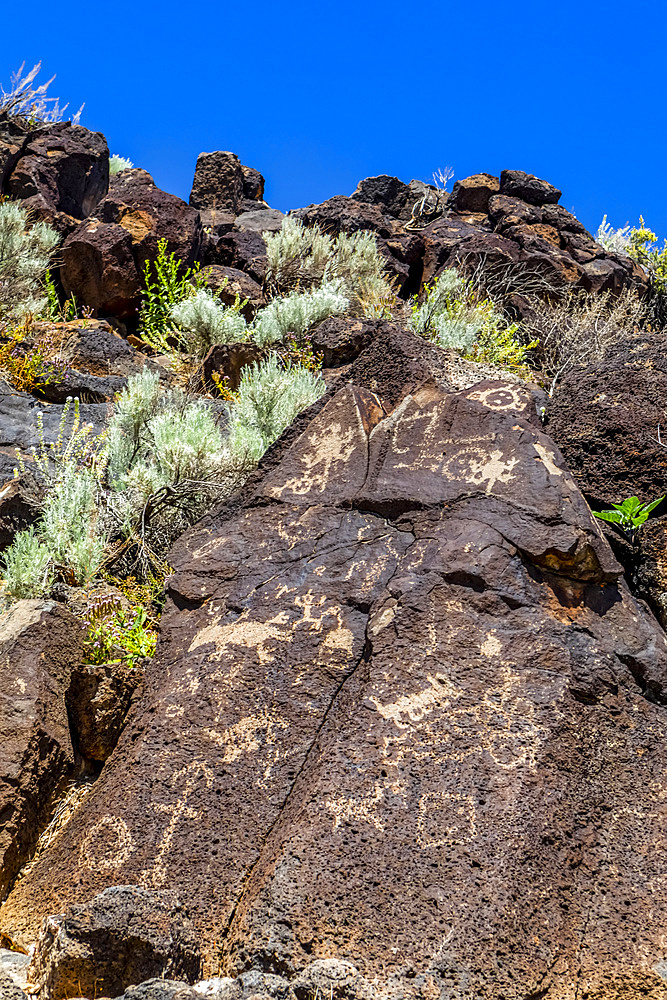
(628,515)
(27,566)
(116,634)
(31,365)
(166,283)
(644,249)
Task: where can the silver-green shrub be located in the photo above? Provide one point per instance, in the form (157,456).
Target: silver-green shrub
(28,566)
(119,163)
(303,257)
(203,320)
(270,396)
(297,312)
(452,314)
(616,241)
(26,251)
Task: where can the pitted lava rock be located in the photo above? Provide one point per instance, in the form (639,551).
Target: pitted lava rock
(40,641)
(606,420)
(404,712)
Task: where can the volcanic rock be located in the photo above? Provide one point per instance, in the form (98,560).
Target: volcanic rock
(253,184)
(229,282)
(124,936)
(218,183)
(19,506)
(97,700)
(39,643)
(403,704)
(63,168)
(99,268)
(472,194)
(529,188)
(605,418)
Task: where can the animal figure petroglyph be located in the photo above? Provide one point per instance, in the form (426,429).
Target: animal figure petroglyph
(436,724)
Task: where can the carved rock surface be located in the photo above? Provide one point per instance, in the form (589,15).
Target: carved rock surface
(404,712)
(123,936)
(39,643)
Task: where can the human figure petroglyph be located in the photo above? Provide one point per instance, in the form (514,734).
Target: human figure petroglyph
(155,876)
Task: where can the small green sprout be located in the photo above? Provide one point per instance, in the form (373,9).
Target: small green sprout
(628,515)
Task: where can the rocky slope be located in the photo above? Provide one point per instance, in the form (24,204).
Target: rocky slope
(404,733)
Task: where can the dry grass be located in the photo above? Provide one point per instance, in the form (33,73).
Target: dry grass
(69,801)
(579,328)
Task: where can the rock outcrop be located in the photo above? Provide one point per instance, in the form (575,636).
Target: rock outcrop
(39,644)
(124,936)
(404,712)
(606,419)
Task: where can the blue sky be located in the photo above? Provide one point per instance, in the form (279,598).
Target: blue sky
(319,96)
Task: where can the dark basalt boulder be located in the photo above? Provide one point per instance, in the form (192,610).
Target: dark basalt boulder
(20,506)
(605,418)
(253,184)
(94,347)
(104,258)
(97,699)
(14,135)
(99,268)
(219,183)
(245,251)
(124,936)
(472,194)
(40,642)
(341,214)
(229,283)
(518,184)
(63,168)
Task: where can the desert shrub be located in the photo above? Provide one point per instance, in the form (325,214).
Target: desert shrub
(27,566)
(166,283)
(270,396)
(25,100)
(26,250)
(455,315)
(119,163)
(303,257)
(69,524)
(614,240)
(203,320)
(296,313)
(578,328)
(32,364)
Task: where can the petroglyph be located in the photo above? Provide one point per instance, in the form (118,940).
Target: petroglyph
(547,458)
(254,734)
(477,466)
(107,845)
(155,876)
(360,809)
(501,399)
(333,449)
(245,631)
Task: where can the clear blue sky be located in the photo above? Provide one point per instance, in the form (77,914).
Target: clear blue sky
(317,96)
